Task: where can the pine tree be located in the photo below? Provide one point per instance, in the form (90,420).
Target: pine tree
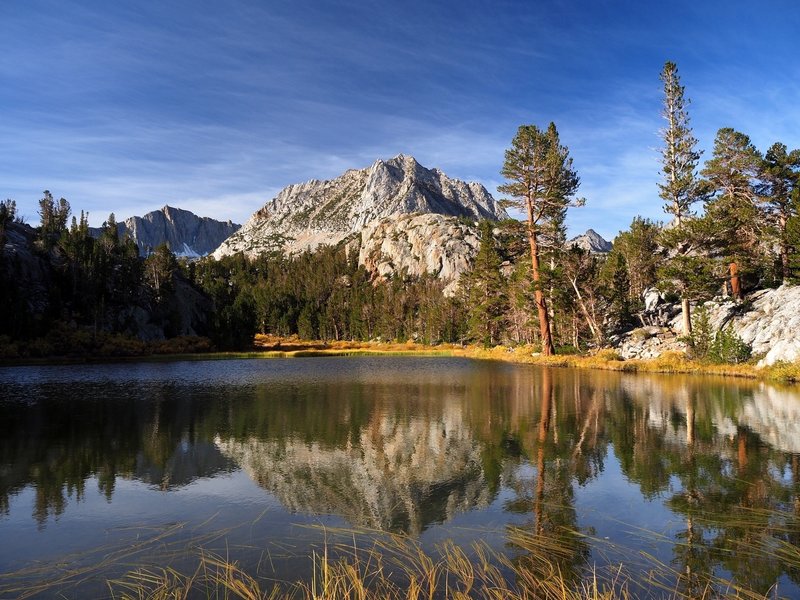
(679,157)
(680,190)
(54,216)
(638,247)
(159,269)
(487,295)
(779,188)
(688,270)
(8,213)
(543,183)
(731,212)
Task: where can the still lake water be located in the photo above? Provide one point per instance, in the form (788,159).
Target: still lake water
(108,468)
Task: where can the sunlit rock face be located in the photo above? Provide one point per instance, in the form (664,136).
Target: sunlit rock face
(398,474)
(768,320)
(417,244)
(382,202)
(187,235)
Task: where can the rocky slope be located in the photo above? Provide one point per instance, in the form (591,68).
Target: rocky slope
(418,243)
(408,217)
(187,234)
(768,320)
(31,295)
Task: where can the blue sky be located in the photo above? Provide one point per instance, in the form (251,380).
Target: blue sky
(215,106)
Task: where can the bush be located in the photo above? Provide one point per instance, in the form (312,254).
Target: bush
(608,355)
(722,347)
(783,371)
(702,337)
(729,348)
(567,349)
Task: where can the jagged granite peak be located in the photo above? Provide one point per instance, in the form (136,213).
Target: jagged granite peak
(591,241)
(327,212)
(186,234)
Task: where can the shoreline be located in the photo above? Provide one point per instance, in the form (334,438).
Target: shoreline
(267,347)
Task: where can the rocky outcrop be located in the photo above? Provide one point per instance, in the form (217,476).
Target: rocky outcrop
(767,320)
(25,275)
(186,234)
(591,241)
(306,215)
(418,244)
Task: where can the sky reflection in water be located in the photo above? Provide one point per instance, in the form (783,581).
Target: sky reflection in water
(143,464)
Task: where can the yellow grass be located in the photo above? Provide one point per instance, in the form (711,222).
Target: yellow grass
(606,359)
(397,568)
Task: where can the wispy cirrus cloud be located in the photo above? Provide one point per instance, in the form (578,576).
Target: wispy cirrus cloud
(126,107)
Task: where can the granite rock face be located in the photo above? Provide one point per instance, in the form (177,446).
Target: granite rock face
(767,320)
(29,272)
(379,203)
(186,234)
(326,212)
(418,244)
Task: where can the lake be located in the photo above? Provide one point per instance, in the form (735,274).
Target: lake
(108,468)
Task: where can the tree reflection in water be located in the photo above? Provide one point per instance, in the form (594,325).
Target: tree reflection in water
(407,446)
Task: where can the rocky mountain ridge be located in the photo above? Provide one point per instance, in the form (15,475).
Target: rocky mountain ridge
(305,215)
(187,235)
(396,215)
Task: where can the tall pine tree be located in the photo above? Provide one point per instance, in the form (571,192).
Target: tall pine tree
(679,156)
(731,212)
(680,190)
(542,182)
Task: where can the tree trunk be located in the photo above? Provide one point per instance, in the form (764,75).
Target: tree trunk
(687,317)
(785,272)
(736,284)
(541,305)
(589,320)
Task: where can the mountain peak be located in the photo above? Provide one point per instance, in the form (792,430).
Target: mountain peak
(326,212)
(186,234)
(591,241)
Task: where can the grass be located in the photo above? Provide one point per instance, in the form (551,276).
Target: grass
(606,359)
(669,362)
(397,568)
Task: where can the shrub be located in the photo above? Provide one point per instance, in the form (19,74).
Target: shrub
(701,339)
(567,349)
(641,334)
(608,355)
(729,348)
(784,371)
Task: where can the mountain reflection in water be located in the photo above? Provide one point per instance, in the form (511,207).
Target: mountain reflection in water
(407,445)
